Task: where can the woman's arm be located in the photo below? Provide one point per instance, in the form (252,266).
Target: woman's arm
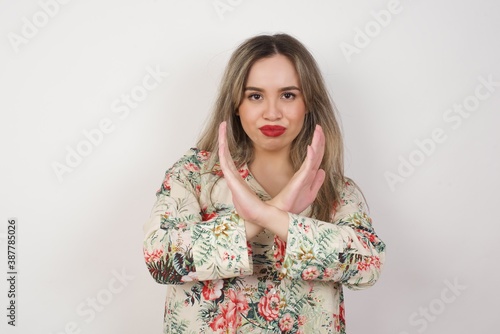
(182,242)
(346,250)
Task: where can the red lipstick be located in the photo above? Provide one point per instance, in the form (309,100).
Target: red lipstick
(272,130)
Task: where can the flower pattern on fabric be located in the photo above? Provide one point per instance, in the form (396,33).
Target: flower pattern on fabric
(219,282)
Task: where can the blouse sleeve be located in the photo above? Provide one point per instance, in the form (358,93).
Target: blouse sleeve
(346,250)
(182,243)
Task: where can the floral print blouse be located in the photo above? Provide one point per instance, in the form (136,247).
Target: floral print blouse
(220,282)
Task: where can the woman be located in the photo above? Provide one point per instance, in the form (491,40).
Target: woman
(257,229)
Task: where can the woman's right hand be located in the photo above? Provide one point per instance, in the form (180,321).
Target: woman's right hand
(303,187)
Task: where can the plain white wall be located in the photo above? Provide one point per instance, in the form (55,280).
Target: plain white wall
(80,257)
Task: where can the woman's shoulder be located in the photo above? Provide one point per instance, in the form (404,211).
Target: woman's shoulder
(351,200)
(348,186)
(187,170)
(351,194)
(193,160)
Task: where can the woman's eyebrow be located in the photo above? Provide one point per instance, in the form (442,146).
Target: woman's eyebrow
(257,89)
(254,88)
(290,88)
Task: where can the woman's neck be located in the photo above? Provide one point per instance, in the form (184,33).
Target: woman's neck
(272,170)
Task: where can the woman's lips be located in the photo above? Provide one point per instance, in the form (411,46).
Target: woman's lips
(272,130)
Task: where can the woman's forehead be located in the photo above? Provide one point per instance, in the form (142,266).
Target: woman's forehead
(273,72)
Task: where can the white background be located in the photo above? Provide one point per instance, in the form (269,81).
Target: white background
(75,235)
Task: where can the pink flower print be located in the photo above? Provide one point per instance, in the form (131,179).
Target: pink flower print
(366,263)
(166,182)
(203,155)
(339,319)
(206,215)
(269,306)
(375,261)
(310,273)
(191,167)
(240,300)
(228,319)
(286,323)
(279,249)
(217,170)
(328,273)
(212,289)
(218,323)
(362,265)
(230,314)
(244,172)
(370,236)
(307,228)
(154,256)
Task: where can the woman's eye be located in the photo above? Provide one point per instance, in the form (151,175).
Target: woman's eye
(288,96)
(254,96)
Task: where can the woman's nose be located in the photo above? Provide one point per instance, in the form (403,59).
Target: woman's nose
(272,111)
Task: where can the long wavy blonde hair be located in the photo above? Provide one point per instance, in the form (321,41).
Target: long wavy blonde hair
(320,107)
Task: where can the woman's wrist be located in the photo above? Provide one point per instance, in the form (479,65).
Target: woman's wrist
(274,220)
(251,230)
(278,204)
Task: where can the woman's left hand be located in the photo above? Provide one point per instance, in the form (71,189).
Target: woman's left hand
(256,213)
(303,187)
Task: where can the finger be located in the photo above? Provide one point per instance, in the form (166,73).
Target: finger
(316,138)
(222,133)
(318,181)
(318,146)
(222,141)
(225,159)
(223,151)
(306,166)
(321,140)
(311,157)
(305,175)
(314,151)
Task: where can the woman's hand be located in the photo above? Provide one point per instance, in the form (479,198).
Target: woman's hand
(303,187)
(247,204)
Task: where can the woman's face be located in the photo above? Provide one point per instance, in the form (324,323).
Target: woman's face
(273,109)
